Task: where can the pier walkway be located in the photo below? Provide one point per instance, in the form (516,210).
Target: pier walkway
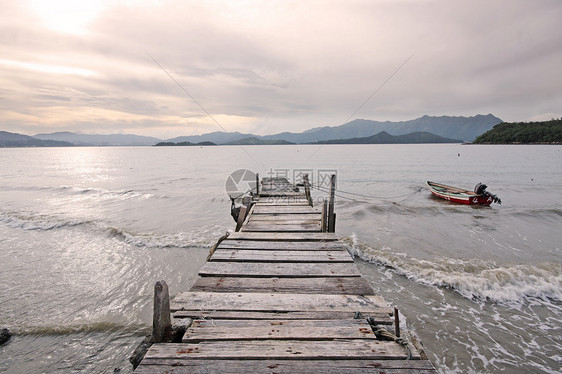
(282,295)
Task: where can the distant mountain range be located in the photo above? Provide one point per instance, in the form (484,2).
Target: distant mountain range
(385,138)
(256,141)
(10,139)
(451,128)
(99,140)
(462,128)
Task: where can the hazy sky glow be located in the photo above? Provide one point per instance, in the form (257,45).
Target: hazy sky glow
(272,66)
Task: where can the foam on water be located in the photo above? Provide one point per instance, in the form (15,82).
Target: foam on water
(473,279)
(204,236)
(73,328)
(199,237)
(35,221)
(95,192)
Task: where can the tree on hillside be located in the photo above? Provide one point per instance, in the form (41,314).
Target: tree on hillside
(523,133)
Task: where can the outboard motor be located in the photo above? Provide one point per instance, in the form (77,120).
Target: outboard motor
(480,188)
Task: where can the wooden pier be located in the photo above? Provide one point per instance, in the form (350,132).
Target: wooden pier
(283,295)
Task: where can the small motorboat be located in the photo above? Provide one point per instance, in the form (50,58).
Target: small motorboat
(458,195)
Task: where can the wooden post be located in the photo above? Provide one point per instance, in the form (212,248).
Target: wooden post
(324,222)
(257,184)
(241,217)
(396,322)
(331,214)
(307,189)
(162,320)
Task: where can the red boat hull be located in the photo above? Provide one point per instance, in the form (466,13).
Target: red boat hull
(461,196)
(468,200)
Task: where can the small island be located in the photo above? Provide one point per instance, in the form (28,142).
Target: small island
(546,132)
(182,144)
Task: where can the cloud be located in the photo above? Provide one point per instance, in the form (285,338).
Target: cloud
(278,65)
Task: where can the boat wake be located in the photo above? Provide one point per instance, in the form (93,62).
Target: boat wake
(473,279)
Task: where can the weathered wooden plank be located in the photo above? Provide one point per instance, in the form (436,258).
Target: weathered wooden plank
(277,222)
(280,222)
(263,227)
(282,270)
(281,349)
(282,323)
(271,218)
(288,215)
(281,203)
(281,200)
(279,194)
(201,330)
(275,193)
(264,209)
(256,255)
(281,245)
(272,302)
(288,236)
(204,366)
(282,197)
(380,318)
(271,182)
(329,286)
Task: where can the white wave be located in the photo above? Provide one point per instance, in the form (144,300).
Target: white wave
(473,279)
(73,328)
(109,194)
(102,193)
(201,237)
(29,221)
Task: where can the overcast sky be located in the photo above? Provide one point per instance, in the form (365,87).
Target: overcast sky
(272,66)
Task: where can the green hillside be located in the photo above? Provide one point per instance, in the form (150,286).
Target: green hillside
(546,132)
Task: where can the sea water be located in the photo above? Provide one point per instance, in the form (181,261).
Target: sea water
(86,232)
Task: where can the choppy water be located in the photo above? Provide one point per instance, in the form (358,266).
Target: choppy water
(85,233)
